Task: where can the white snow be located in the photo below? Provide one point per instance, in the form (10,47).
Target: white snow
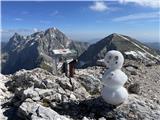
(142,54)
(53,35)
(32,43)
(68,42)
(18,46)
(24,37)
(38,36)
(131,53)
(138,46)
(145,47)
(137,54)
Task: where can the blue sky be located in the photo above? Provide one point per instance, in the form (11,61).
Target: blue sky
(83,20)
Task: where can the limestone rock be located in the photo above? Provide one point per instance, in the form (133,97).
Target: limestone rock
(33,111)
(4,95)
(132,70)
(92,84)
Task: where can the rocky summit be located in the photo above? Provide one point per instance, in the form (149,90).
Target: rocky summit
(39,95)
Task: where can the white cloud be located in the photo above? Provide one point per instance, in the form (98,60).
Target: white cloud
(147,3)
(99,6)
(18,19)
(54,13)
(45,21)
(151,15)
(24,12)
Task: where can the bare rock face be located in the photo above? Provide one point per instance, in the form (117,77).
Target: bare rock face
(91,84)
(4,95)
(31,110)
(3,89)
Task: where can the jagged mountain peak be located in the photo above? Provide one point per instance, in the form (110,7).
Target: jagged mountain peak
(114,34)
(14,41)
(36,50)
(117,36)
(16,34)
(52,30)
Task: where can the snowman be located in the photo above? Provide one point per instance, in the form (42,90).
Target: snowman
(113,79)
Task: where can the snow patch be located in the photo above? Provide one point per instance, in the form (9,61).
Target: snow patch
(68,42)
(18,46)
(137,54)
(145,47)
(53,35)
(38,36)
(146,52)
(32,43)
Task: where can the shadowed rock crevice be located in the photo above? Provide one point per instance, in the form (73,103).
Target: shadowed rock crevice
(92,108)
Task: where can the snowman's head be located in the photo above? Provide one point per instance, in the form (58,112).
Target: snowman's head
(114,60)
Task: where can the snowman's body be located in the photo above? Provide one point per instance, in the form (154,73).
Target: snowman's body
(114,96)
(113,79)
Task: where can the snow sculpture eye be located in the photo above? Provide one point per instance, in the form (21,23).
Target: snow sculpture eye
(116,57)
(116,62)
(112,74)
(110,57)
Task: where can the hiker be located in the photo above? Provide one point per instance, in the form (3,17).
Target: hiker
(72,65)
(64,68)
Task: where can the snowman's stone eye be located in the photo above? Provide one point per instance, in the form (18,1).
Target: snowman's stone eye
(116,62)
(116,57)
(109,57)
(111,74)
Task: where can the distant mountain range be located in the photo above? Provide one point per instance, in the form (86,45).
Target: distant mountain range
(35,50)
(155,45)
(130,48)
